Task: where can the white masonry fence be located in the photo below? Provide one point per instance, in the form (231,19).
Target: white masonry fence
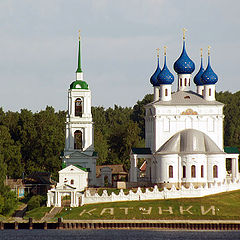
(172,193)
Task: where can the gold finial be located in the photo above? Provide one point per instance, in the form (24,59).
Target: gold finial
(184,31)
(79,34)
(158,52)
(209,47)
(201,51)
(165,50)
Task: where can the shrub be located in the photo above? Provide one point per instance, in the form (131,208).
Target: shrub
(35,202)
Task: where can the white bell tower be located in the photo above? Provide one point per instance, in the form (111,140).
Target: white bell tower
(79,145)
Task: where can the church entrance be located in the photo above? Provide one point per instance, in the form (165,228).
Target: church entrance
(229,167)
(66,200)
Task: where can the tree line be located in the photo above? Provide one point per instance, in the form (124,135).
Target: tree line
(34,141)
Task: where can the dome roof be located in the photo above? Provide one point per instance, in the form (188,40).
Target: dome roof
(153,79)
(198,78)
(79,85)
(165,76)
(184,65)
(190,141)
(209,76)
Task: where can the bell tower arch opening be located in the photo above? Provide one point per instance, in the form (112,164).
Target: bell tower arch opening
(78,143)
(78,107)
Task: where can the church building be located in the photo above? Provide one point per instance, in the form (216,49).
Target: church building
(183,129)
(79,143)
(183,137)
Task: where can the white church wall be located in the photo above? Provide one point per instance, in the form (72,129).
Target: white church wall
(162,168)
(220,161)
(196,160)
(172,119)
(74,177)
(85,95)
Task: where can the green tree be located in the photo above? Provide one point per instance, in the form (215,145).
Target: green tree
(138,113)
(8,199)
(11,153)
(101,147)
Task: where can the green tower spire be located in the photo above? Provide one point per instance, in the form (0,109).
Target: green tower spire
(79,69)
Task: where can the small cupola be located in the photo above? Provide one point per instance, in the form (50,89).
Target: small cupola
(165,76)
(153,79)
(209,76)
(184,67)
(165,79)
(79,83)
(198,78)
(209,79)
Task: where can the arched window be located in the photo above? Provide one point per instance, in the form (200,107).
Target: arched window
(189,83)
(215,171)
(77,139)
(170,171)
(202,171)
(184,172)
(166,92)
(78,107)
(202,91)
(185,82)
(72,181)
(193,171)
(180,82)
(210,92)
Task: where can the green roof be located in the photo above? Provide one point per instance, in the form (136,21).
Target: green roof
(82,168)
(79,69)
(95,154)
(79,85)
(141,151)
(231,150)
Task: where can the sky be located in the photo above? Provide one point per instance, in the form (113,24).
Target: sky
(39,45)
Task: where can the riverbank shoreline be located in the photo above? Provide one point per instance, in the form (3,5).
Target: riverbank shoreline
(126,224)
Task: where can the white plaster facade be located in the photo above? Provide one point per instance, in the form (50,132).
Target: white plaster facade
(79,120)
(72,181)
(184,133)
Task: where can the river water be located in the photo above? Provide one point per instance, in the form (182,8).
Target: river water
(109,234)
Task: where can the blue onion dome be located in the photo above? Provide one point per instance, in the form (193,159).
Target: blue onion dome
(197,79)
(165,76)
(209,76)
(153,79)
(184,65)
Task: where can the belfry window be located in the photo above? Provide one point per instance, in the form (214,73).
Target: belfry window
(189,83)
(185,82)
(215,171)
(78,107)
(77,139)
(202,171)
(180,82)
(170,171)
(184,172)
(193,171)
(210,92)
(166,92)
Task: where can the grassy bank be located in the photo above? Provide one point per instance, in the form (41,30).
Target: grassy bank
(220,206)
(37,213)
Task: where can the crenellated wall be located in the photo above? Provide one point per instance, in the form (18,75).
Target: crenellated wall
(172,193)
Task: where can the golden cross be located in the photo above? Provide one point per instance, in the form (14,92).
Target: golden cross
(184,31)
(79,34)
(158,52)
(201,51)
(165,50)
(209,47)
